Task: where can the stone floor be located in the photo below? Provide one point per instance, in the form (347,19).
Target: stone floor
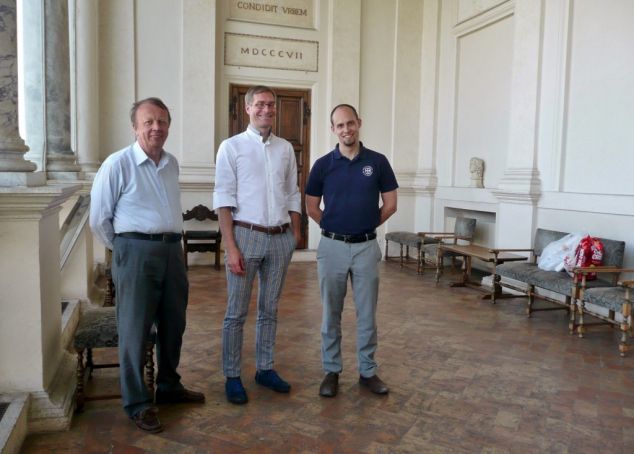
(465,376)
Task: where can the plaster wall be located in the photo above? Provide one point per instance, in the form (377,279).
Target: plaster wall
(21,324)
(534,89)
(34,359)
(599,132)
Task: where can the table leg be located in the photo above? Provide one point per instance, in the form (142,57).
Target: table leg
(466,270)
(439,263)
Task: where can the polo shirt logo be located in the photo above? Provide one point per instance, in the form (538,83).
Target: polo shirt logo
(367,171)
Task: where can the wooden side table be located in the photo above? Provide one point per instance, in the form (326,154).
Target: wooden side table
(468,252)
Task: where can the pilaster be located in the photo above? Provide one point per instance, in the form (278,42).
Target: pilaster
(520,187)
(344,23)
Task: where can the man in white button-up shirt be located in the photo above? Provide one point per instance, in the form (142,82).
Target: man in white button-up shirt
(259,206)
(136,211)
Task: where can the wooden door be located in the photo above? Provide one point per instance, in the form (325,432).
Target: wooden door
(292,122)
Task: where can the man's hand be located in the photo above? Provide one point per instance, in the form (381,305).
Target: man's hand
(235,262)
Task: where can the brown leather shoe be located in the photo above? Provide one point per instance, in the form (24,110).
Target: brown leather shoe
(182,396)
(147,420)
(374,384)
(329,385)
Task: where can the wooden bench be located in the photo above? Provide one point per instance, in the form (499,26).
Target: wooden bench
(406,240)
(425,242)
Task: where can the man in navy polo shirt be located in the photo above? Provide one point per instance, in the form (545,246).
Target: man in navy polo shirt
(350,179)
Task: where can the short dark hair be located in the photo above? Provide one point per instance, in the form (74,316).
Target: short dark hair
(155,102)
(332,112)
(257,89)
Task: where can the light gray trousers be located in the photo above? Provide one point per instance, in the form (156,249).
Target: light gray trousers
(336,261)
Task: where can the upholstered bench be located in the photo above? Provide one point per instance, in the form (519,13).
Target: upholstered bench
(98,329)
(407,240)
(558,282)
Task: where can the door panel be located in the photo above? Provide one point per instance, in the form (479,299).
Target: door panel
(292,122)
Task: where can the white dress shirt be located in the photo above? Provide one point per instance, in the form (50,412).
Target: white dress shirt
(258,180)
(132,194)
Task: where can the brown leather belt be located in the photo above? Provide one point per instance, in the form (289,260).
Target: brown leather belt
(260,228)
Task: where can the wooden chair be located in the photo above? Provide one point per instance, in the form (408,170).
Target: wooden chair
(614,300)
(464,229)
(98,329)
(201,240)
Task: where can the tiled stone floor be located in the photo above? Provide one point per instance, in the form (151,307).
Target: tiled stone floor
(465,376)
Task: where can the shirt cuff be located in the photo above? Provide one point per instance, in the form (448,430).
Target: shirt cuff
(223,200)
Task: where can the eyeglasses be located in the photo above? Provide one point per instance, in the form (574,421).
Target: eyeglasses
(262,105)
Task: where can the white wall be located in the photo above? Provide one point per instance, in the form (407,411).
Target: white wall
(599,132)
(483,101)
(542,91)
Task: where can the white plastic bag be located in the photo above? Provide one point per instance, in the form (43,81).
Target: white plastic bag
(552,258)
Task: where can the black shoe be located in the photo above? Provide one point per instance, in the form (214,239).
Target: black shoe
(147,420)
(329,385)
(374,384)
(181,396)
(270,379)
(236,394)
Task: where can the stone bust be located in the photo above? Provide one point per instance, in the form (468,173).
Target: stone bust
(476,167)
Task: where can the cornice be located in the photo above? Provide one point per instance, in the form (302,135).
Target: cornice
(421,182)
(23,203)
(519,185)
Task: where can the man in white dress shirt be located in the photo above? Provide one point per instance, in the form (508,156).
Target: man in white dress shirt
(136,211)
(259,206)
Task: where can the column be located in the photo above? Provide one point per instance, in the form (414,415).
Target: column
(14,169)
(31,64)
(87,84)
(61,161)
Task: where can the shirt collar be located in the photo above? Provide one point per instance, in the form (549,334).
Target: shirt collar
(256,132)
(358,157)
(140,157)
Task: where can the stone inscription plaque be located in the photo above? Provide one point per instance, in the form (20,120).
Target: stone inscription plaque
(291,13)
(267,52)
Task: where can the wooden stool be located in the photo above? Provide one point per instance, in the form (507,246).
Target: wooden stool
(98,329)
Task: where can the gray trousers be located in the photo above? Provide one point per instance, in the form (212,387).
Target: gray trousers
(336,261)
(151,287)
(266,256)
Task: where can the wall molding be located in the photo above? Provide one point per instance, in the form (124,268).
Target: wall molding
(484,19)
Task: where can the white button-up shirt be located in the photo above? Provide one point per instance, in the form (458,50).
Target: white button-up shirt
(132,194)
(258,180)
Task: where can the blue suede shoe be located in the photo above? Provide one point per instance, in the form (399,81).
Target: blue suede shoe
(236,394)
(270,379)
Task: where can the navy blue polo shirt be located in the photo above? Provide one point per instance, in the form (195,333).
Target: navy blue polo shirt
(351,189)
